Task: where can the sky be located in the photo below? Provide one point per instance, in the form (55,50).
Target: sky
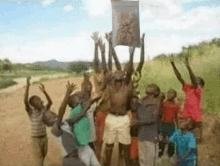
(41,30)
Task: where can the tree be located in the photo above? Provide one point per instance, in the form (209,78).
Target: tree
(78,67)
(7,65)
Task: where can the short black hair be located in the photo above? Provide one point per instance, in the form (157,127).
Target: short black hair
(31,100)
(156,89)
(201,81)
(173,90)
(71,102)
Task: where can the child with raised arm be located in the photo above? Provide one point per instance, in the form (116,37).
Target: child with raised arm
(75,156)
(35,109)
(193,95)
(184,142)
(170,110)
(148,117)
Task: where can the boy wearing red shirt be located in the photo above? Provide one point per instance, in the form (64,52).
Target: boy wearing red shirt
(193,94)
(170,110)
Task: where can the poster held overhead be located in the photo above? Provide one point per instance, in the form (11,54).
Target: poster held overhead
(125,23)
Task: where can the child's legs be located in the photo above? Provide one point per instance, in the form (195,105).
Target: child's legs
(148,153)
(39,146)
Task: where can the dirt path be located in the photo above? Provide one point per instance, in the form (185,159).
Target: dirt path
(15,145)
(15,126)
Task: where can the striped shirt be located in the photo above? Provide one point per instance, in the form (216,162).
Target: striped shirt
(38,127)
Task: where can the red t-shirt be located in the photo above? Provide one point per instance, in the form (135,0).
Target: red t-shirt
(192,106)
(169,112)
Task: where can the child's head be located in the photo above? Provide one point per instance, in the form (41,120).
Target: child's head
(185,123)
(200,82)
(36,102)
(75,99)
(49,118)
(153,89)
(171,94)
(86,84)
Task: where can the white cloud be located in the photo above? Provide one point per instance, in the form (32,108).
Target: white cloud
(199,19)
(47,2)
(97,7)
(191,1)
(68,8)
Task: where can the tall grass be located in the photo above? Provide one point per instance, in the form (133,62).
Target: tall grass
(206,66)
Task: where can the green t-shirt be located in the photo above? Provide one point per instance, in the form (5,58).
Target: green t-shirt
(82,127)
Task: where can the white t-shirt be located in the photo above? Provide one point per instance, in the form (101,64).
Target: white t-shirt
(90,115)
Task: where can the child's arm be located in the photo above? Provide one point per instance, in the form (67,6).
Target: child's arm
(27,106)
(42,88)
(70,89)
(177,73)
(80,115)
(86,107)
(192,75)
(141,64)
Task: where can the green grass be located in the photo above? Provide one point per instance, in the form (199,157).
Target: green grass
(206,66)
(4,83)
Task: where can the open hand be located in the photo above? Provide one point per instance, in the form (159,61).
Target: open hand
(95,37)
(131,50)
(171,58)
(42,88)
(101,44)
(108,36)
(70,87)
(186,60)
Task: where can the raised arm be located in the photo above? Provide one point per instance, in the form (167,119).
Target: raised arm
(70,89)
(27,106)
(192,76)
(42,88)
(177,73)
(86,107)
(108,38)
(129,67)
(141,64)
(96,55)
(102,48)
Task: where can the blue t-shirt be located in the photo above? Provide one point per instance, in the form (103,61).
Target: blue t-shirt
(183,141)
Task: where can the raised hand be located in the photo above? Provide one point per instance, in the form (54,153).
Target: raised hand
(28,80)
(101,44)
(131,50)
(171,58)
(108,36)
(42,88)
(70,87)
(95,37)
(142,38)
(186,60)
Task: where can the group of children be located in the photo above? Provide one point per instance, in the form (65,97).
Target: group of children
(152,116)
(168,123)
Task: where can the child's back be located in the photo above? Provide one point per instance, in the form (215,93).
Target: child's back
(82,127)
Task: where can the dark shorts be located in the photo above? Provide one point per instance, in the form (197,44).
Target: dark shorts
(167,129)
(188,163)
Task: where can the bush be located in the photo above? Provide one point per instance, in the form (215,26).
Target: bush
(78,67)
(4,83)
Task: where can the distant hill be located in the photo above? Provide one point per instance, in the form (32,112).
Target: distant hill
(56,64)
